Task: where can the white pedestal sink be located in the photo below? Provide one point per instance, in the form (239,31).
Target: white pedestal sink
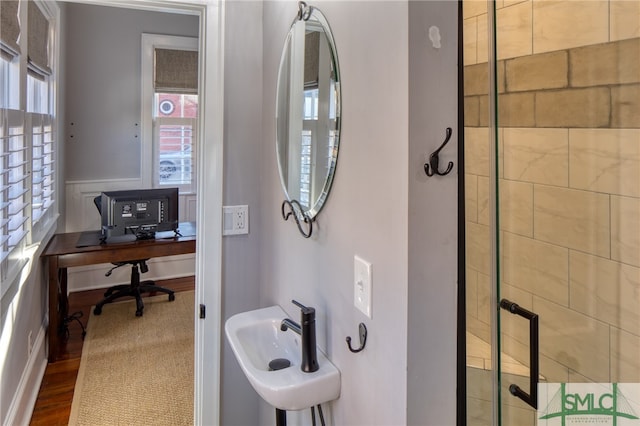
(256,340)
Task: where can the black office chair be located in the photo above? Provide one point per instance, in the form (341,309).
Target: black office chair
(135,288)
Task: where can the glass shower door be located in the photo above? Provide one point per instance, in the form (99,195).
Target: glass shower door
(553,180)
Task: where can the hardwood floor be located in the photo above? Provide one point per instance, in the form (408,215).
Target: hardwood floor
(53,405)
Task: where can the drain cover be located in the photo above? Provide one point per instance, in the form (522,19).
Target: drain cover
(279,364)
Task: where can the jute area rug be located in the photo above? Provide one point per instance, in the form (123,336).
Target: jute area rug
(137,370)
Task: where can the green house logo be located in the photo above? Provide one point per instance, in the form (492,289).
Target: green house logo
(588,403)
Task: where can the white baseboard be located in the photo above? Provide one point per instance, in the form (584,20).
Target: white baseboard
(24,399)
(92,277)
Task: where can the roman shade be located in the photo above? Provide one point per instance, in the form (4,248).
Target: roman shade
(176,71)
(9,29)
(38,42)
(311,59)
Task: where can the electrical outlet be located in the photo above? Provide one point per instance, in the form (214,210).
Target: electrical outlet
(362,285)
(235,220)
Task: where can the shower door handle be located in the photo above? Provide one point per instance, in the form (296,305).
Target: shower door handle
(530,398)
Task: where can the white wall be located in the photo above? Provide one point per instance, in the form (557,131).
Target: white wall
(365,214)
(382,208)
(243,162)
(431,339)
(103,87)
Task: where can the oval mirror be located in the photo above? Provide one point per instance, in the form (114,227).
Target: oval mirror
(308,111)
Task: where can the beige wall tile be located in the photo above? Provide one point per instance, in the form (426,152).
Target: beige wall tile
(625,230)
(515,341)
(473,8)
(552,371)
(625,106)
(476,79)
(514,411)
(625,348)
(574,340)
(605,160)
(522,297)
(500,77)
(536,155)
(470,38)
(479,411)
(572,218)
(624,18)
(516,207)
(514,30)
(484,298)
(484,111)
(479,328)
(471,288)
(471,111)
(578,378)
(589,108)
(478,247)
(537,267)
(609,63)
(481,383)
(484,208)
(560,25)
(471,197)
(605,290)
(483,39)
(516,110)
(476,150)
(536,72)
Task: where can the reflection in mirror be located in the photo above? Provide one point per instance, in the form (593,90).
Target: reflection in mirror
(308,113)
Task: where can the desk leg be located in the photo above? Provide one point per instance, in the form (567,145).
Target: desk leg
(58,305)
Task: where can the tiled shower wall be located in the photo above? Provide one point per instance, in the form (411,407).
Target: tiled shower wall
(569,165)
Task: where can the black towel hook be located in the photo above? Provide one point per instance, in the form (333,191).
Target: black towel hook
(434,159)
(362,329)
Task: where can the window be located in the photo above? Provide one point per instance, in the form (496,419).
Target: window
(174,128)
(14,184)
(27,142)
(42,166)
(170,111)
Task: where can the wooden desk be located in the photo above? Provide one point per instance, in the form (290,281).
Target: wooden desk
(61,253)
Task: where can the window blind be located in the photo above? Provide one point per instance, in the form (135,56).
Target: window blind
(38,42)
(42,166)
(9,29)
(13,183)
(175,71)
(311,59)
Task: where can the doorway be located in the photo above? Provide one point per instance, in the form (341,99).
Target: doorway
(209,202)
(552,199)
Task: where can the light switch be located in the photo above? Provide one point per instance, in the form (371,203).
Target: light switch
(362,285)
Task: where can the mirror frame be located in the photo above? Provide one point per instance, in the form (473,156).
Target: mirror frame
(305,14)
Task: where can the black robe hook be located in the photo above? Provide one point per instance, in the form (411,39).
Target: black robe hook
(362,331)
(434,160)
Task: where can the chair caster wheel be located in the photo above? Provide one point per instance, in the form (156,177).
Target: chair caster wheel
(139,313)
(172,297)
(97,310)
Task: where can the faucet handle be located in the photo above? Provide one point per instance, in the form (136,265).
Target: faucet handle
(305,309)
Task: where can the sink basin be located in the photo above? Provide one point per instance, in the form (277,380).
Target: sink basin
(256,340)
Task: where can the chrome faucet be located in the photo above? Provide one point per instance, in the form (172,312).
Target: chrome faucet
(307,331)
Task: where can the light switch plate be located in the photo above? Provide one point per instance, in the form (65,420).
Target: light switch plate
(362,285)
